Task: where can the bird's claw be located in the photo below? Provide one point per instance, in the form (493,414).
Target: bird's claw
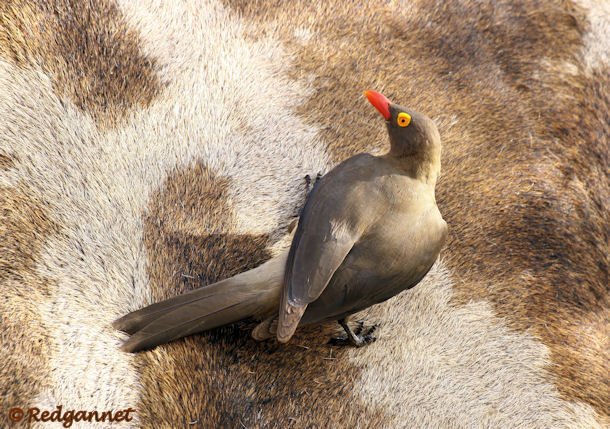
(309,181)
(360,327)
(361,337)
(368,337)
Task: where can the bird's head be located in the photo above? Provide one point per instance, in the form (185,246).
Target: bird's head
(414,137)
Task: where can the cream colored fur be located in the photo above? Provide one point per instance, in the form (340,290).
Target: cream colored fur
(227,102)
(442,366)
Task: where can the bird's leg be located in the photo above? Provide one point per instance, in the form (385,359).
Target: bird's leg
(355,338)
(309,181)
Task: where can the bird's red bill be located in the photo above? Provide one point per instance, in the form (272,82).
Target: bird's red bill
(380,102)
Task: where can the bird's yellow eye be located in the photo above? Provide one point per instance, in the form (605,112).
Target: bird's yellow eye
(403,119)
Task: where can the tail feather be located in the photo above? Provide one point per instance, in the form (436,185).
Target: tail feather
(253,292)
(186,321)
(137,320)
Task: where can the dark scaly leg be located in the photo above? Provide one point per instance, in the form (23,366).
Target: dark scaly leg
(356,338)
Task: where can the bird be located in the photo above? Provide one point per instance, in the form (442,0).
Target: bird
(370,229)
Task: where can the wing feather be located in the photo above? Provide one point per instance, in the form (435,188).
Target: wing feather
(325,235)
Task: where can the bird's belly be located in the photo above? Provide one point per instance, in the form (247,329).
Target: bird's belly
(351,291)
(372,274)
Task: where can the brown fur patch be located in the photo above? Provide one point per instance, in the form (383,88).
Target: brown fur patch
(6,162)
(87,50)
(24,227)
(224,378)
(524,188)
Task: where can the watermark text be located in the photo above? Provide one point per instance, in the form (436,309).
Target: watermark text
(67,417)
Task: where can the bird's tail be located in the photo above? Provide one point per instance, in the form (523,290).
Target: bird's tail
(250,293)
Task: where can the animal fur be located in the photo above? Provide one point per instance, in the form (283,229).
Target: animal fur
(147,148)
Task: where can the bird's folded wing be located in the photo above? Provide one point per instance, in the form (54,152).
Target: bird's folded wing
(318,255)
(322,241)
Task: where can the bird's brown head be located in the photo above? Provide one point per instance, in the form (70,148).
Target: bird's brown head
(413,136)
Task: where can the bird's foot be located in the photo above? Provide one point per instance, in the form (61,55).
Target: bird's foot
(357,338)
(312,183)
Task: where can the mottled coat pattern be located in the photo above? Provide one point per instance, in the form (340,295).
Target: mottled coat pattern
(150,147)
